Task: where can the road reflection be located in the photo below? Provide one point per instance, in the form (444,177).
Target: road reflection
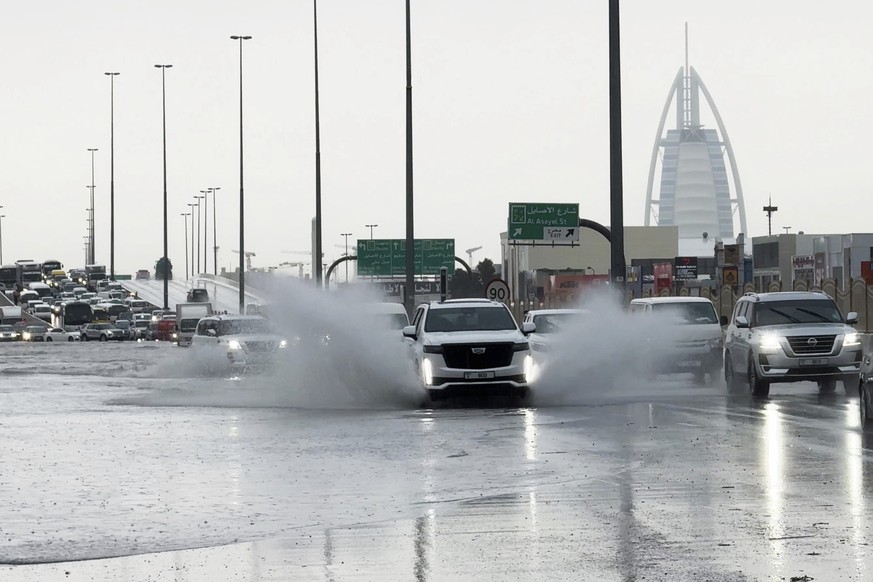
(773,459)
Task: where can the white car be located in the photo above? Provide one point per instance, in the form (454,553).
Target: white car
(59,334)
(240,342)
(469,346)
(42,311)
(549,323)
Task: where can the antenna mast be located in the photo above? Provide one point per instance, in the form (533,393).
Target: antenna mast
(770,209)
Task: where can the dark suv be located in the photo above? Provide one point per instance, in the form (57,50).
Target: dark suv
(198,295)
(791,337)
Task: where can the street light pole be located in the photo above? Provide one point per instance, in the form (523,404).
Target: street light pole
(191,206)
(166,260)
(371,227)
(242,246)
(205,228)
(347,235)
(317,251)
(91,240)
(616,187)
(198,199)
(111,175)
(409,300)
(214,245)
(185,216)
(2,216)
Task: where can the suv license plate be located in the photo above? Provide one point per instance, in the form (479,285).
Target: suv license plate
(813,361)
(478,375)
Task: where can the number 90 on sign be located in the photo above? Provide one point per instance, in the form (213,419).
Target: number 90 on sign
(497,290)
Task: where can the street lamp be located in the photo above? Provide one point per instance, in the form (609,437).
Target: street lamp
(2,216)
(317,251)
(198,199)
(185,216)
(111,174)
(371,227)
(205,228)
(242,239)
(91,241)
(347,235)
(163,69)
(191,206)
(214,245)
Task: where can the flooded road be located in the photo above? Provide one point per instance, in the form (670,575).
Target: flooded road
(119,465)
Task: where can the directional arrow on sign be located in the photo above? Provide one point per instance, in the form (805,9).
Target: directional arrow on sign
(570,232)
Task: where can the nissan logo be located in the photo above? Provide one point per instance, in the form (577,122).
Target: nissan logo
(812,342)
(478,351)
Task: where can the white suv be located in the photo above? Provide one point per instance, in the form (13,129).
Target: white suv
(241,342)
(791,337)
(466,346)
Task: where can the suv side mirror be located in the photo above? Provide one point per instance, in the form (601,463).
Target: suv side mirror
(528,327)
(852,318)
(409,331)
(742,322)
(723,321)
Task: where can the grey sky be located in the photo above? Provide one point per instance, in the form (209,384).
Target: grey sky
(510,104)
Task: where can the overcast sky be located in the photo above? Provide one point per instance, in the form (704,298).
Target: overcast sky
(510,104)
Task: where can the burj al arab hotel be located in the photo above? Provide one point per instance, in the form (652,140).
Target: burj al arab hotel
(695,192)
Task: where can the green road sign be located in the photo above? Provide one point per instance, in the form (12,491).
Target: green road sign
(387,257)
(544,222)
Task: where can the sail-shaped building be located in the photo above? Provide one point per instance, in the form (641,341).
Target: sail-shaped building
(694,193)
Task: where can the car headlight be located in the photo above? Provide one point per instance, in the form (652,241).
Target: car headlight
(529,368)
(26,336)
(769,343)
(715,342)
(427,372)
(283,344)
(852,339)
(234,345)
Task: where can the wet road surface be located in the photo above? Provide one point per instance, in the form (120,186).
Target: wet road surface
(117,465)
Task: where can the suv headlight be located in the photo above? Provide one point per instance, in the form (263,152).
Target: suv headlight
(521,347)
(432,349)
(715,342)
(233,345)
(283,344)
(769,343)
(852,339)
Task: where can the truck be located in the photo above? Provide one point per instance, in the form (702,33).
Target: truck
(187,316)
(10,315)
(94,273)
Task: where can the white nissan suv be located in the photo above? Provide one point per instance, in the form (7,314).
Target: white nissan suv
(791,337)
(469,346)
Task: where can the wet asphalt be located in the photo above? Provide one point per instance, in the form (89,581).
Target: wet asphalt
(118,465)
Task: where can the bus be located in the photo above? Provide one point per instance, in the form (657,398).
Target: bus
(94,273)
(74,315)
(49,266)
(29,272)
(42,289)
(9,275)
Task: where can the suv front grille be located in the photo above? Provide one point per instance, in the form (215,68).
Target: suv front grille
(259,346)
(462,356)
(803,345)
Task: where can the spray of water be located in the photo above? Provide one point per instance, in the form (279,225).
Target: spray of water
(342,354)
(609,354)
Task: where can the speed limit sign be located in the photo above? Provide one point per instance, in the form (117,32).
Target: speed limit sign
(497,290)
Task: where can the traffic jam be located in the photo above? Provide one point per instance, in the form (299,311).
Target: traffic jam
(471,346)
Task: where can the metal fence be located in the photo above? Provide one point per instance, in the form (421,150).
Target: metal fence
(857,297)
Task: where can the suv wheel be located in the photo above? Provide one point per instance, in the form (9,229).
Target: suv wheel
(849,383)
(827,386)
(866,421)
(84,337)
(730,377)
(757,386)
(103,337)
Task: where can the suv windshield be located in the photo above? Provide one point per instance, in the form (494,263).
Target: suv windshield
(690,313)
(802,311)
(244,326)
(554,322)
(469,319)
